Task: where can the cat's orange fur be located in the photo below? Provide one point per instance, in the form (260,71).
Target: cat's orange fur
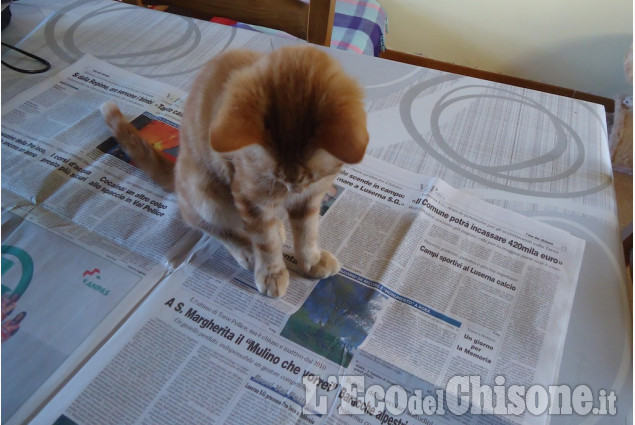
(262,134)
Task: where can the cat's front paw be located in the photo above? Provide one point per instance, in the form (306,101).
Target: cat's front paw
(272,281)
(327,265)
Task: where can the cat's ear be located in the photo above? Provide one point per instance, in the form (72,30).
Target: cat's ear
(345,138)
(236,126)
(228,134)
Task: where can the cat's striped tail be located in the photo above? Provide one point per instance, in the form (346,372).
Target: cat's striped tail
(151,161)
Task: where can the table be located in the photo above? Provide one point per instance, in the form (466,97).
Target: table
(538,154)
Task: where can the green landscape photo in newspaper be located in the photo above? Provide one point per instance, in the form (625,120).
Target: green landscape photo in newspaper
(335,318)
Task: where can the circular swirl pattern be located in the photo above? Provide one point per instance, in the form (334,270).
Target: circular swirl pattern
(567,141)
(180,45)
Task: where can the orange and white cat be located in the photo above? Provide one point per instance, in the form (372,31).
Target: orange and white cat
(262,135)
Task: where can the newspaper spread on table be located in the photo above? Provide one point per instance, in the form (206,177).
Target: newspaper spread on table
(440,293)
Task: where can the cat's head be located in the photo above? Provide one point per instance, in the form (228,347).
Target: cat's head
(301,108)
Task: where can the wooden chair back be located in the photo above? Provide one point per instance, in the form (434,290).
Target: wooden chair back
(311,21)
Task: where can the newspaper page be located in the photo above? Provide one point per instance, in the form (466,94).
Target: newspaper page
(83,230)
(64,288)
(56,152)
(435,284)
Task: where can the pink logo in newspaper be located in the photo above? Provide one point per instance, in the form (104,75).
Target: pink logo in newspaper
(91,272)
(90,278)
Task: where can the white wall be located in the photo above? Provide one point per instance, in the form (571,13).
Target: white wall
(577,44)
